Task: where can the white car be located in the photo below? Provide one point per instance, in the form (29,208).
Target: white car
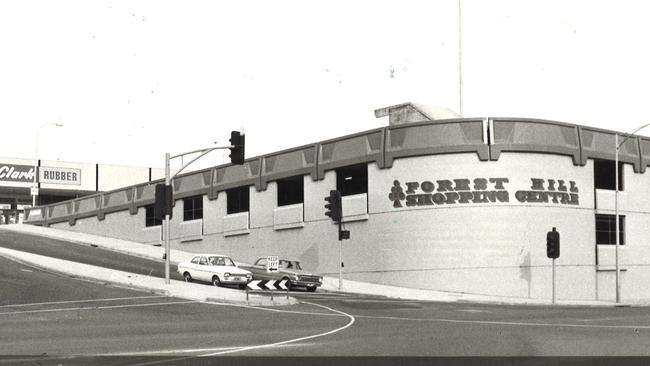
(215,268)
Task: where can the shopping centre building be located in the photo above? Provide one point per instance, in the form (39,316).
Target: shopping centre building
(431,202)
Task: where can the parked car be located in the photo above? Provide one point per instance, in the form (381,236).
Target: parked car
(216,269)
(289,270)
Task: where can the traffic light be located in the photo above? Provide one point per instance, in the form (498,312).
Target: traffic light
(164,202)
(237,141)
(333,206)
(553,244)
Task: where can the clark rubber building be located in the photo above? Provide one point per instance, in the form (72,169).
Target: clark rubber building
(451,204)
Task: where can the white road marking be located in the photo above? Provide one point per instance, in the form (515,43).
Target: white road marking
(494,322)
(81,301)
(97,307)
(26,270)
(473,310)
(352,320)
(227,350)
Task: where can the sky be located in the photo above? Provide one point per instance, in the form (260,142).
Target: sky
(131,80)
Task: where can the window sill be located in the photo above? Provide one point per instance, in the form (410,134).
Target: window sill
(237,232)
(293,225)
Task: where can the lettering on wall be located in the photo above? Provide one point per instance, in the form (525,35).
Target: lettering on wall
(54,175)
(480,190)
(16,173)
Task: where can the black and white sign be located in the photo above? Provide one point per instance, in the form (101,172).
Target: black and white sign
(52,175)
(16,173)
(268,285)
(272,263)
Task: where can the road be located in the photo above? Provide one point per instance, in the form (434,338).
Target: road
(44,313)
(85,254)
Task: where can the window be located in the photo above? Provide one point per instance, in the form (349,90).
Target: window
(150,218)
(290,191)
(605,175)
(195,260)
(192,208)
(203,261)
(237,200)
(606,229)
(352,179)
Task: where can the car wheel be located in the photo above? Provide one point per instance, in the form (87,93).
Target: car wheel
(288,284)
(187,276)
(215,281)
(311,289)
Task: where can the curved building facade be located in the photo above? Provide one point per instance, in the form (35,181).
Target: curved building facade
(458,205)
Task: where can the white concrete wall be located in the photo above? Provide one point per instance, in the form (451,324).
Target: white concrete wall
(117,176)
(88,182)
(485,248)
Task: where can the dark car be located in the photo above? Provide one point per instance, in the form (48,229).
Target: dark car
(289,270)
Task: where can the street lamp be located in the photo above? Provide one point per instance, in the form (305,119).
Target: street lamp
(34,191)
(618,147)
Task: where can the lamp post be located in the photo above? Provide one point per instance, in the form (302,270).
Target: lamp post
(34,191)
(618,147)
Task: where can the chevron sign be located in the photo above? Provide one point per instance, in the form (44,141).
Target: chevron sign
(268,285)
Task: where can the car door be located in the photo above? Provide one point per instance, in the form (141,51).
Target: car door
(191,267)
(259,270)
(203,269)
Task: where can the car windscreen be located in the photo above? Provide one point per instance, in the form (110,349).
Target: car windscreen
(285,264)
(221,261)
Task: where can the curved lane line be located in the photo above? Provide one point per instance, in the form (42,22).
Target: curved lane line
(352,319)
(248,348)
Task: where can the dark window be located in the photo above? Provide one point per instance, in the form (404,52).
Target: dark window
(237,200)
(192,208)
(290,191)
(150,219)
(606,229)
(605,175)
(352,179)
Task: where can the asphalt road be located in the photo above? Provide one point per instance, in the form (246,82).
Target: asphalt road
(43,313)
(85,254)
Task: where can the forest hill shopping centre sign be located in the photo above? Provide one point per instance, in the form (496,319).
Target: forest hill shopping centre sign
(481,190)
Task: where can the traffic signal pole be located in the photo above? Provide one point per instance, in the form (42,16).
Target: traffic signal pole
(237,157)
(166,224)
(553,280)
(553,252)
(340,258)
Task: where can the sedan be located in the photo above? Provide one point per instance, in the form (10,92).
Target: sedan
(289,270)
(216,269)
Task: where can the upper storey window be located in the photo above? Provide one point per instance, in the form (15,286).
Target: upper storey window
(290,191)
(352,179)
(605,175)
(238,200)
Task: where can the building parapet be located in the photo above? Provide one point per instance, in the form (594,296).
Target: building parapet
(486,137)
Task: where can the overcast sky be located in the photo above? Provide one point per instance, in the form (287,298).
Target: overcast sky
(131,80)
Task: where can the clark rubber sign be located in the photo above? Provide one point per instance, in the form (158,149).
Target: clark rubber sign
(51,175)
(481,190)
(16,173)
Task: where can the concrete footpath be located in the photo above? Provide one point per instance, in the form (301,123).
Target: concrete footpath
(190,291)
